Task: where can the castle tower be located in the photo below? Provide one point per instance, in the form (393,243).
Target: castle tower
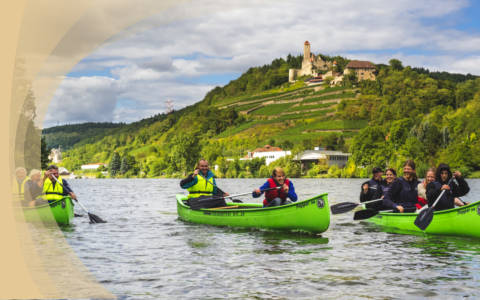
(306,51)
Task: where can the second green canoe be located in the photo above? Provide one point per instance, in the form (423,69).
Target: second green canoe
(311,215)
(460,221)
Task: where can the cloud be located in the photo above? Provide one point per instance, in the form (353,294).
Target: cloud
(152,61)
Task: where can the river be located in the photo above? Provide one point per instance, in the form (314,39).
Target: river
(145,252)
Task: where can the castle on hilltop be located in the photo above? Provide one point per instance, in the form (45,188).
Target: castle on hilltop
(314,66)
(311,64)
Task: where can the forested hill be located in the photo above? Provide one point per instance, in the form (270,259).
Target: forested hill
(406,113)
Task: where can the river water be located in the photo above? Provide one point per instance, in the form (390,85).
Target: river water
(145,252)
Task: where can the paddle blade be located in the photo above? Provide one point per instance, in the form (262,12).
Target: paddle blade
(342,207)
(95,219)
(237,201)
(424,218)
(364,214)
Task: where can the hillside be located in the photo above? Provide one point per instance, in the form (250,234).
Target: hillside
(405,113)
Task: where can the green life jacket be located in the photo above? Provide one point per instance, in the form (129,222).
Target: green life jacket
(202,188)
(53,193)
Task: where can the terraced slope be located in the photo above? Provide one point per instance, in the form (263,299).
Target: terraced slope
(306,112)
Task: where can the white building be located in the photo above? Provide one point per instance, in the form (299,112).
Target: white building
(55,155)
(328,157)
(270,153)
(93,166)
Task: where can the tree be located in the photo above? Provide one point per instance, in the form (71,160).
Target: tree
(395,64)
(115,163)
(45,151)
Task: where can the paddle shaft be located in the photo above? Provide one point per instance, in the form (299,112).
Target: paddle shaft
(371,201)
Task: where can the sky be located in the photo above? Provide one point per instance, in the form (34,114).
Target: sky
(183,53)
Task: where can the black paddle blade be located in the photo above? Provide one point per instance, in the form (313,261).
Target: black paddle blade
(237,201)
(424,218)
(95,219)
(343,207)
(364,214)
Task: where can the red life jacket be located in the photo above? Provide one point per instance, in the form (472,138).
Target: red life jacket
(272,194)
(421,202)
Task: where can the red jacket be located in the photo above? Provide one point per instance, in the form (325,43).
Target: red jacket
(272,194)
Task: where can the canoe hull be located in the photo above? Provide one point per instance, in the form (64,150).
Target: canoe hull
(60,212)
(460,221)
(311,215)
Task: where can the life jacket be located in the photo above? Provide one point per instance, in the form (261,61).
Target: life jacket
(421,202)
(408,194)
(18,190)
(203,187)
(51,192)
(272,194)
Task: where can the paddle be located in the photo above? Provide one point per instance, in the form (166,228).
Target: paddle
(344,207)
(220,190)
(425,217)
(243,194)
(368,213)
(93,218)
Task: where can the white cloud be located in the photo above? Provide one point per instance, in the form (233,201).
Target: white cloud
(152,60)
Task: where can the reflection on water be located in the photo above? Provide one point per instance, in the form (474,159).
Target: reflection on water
(145,252)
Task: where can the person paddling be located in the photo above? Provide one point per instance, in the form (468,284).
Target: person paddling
(277,197)
(201,182)
(453,189)
(402,196)
(373,189)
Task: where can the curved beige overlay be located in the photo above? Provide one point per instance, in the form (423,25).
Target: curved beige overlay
(44,40)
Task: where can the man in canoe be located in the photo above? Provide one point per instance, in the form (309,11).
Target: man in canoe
(54,187)
(201,182)
(33,187)
(454,189)
(402,196)
(276,197)
(18,187)
(372,190)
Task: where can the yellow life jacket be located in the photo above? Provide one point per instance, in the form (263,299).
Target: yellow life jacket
(18,190)
(53,193)
(202,188)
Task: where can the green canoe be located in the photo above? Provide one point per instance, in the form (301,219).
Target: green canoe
(460,221)
(312,215)
(60,211)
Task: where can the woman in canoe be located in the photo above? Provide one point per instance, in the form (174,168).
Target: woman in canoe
(402,195)
(276,197)
(422,188)
(453,189)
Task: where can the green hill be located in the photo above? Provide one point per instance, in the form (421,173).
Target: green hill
(405,113)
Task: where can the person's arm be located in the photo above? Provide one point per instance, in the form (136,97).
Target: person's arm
(433,191)
(258,192)
(461,189)
(190,181)
(67,190)
(291,192)
(389,196)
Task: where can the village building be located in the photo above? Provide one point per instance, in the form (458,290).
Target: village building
(55,155)
(92,166)
(309,158)
(364,70)
(270,153)
(311,65)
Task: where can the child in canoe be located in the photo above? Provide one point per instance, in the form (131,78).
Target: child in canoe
(276,197)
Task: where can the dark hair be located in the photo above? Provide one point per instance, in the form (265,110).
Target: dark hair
(440,168)
(50,167)
(409,163)
(376,170)
(391,170)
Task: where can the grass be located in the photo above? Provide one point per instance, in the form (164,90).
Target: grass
(273,109)
(308,107)
(328,97)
